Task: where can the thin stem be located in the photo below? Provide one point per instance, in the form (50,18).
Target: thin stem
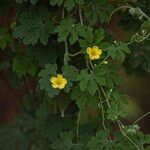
(78,121)
(127,136)
(148,113)
(89,3)
(63,13)
(121,7)
(80,15)
(145,15)
(102,110)
(105,97)
(66,53)
(73,55)
(104,59)
(87,64)
(91,64)
(129,43)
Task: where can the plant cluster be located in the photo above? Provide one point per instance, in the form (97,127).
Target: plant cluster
(75,64)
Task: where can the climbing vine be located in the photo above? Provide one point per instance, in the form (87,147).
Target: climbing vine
(75,63)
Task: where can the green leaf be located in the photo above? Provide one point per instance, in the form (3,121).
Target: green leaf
(115,112)
(44,81)
(118,51)
(99,36)
(12,138)
(70,72)
(87,82)
(100,141)
(32,1)
(92,86)
(79,97)
(4,38)
(56,2)
(68,28)
(68,4)
(83,98)
(34,26)
(99,10)
(107,75)
(83,77)
(91,38)
(23,65)
(64,142)
(64,29)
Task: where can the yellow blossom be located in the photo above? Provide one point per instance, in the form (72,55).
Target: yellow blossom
(94,52)
(58,82)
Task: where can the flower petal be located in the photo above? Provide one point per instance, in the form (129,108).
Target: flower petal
(88,50)
(59,76)
(61,86)
(64,80)
(95,47)
(55,86)
(52,79)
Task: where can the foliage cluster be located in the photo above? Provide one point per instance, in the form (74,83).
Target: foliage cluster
(47,38)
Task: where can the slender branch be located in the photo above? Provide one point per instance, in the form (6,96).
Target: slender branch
(80,15)
(91,64)
(106,98)
(78,121)
(66,53)
(119,121)
(102,110)
(148,113)
(63,13)
(90,3)
(121,7)
(73,55)
(145,15)
(104,59)
(87,64)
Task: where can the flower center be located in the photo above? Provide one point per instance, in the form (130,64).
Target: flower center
(58,81)
(93,53)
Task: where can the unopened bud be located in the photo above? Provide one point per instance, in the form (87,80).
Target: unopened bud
(105,62)
(141,17)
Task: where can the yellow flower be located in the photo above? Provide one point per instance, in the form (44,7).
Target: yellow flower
(58,82)
(94,52)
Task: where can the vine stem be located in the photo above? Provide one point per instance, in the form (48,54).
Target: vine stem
(66,53)
(73,55)
(78,122)
(102,110)
(127,135)
(80,15)
(148,113)
(104,59)
(121,7)
(118,122)
(105,97)
(145,15)
(91,64)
